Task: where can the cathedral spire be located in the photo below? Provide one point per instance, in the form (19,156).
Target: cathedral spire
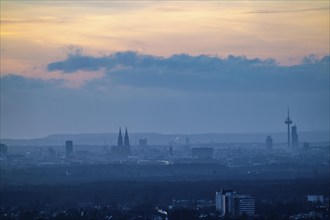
(126,139)
(120,138)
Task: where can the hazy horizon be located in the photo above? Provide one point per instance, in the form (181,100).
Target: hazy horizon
(195,67)
(163,133)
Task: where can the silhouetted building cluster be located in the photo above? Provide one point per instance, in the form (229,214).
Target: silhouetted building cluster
(229,203)
(122,149)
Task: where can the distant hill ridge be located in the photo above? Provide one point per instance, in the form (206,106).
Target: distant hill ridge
(164,139)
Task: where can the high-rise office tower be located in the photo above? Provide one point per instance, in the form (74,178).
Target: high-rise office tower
(269,142)
(218,201)
(69,148)
(288,122)
(171,151)
(294,136)
(222,200)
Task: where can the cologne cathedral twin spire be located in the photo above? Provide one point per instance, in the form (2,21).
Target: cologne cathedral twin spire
(122,149)
(120,142)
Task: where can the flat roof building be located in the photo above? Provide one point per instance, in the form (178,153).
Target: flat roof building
(69,148)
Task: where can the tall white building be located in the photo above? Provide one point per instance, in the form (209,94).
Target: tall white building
(218,201)
(229,203)
(224,201)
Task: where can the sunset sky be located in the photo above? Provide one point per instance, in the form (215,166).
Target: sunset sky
(163,66)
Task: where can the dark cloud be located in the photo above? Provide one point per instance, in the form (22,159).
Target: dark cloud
(75,62)
(207,73)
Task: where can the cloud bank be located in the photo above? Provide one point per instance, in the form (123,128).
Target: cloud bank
(180,93)
(201,73)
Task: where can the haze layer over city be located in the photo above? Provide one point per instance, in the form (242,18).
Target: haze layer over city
(164,110)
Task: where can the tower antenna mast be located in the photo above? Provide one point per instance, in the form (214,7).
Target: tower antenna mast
(288,122)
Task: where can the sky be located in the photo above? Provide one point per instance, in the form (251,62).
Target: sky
(163,66)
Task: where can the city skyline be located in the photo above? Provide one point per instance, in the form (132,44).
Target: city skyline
(164,109)
(166,67)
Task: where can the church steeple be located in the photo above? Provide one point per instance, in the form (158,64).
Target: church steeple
(120,139)
(126,139)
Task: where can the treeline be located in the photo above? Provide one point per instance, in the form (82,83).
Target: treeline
(269,194)
(87,173)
